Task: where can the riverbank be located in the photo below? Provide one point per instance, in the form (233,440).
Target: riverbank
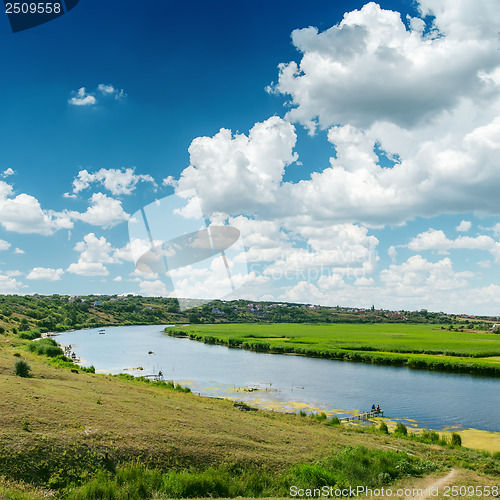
(415,346)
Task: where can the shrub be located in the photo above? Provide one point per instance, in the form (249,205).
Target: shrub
(383,428)
(319,417)
(401,429)
(27,335)
(334,421)
(429,436)
(22,368)
(456,440)
(47,347)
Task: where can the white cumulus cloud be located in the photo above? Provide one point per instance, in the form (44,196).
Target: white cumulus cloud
(371,68)
(464,226)
(433,239)
(23,214)
(94,254)
(117,181)
(232,173)
(82,98)
(4,245)
(46,274)
(104,211)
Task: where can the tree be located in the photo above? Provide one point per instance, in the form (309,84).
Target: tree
(193,318)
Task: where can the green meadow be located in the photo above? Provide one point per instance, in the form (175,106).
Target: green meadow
(416,346)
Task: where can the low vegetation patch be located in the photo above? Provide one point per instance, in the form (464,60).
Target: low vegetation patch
(351,467)
(169,384)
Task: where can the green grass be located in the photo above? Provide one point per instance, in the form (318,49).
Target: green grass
(417,346)
(350,467)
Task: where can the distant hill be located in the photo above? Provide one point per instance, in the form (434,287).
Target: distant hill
(31,315)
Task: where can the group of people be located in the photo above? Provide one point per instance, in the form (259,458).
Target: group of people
(376,409)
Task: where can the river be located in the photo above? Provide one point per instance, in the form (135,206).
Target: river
(290,383)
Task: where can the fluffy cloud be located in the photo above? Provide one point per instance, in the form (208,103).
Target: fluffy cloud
(202,281)
(464,226)
(426,97)
(9,285)
(154,288)
(125,253)
(412,285)
(448,166)
(109,90)
(23,214)
(104,211)
(4,245)
(46,274)
(428,100)
(417,275)
(82,98)
(371,68)
(94,253)
(8,172)
(436,240)
(122,181)
(235,173)
(340,249)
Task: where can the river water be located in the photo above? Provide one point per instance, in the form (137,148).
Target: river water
(290,383)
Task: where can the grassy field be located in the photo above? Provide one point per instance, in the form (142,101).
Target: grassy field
(418,346)
(86,436)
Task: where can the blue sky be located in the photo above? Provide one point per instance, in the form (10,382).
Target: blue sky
(354,146)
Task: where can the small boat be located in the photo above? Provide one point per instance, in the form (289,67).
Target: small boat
(102,331)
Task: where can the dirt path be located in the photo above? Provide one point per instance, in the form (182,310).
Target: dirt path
(438,484)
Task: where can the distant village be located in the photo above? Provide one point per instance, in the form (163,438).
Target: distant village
(244,310)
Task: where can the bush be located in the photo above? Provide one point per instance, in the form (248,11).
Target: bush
(334,421)
(319,417)
(22,368)
(456,440)
(429,436)
(383,428)
(47,347)
(401,429)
